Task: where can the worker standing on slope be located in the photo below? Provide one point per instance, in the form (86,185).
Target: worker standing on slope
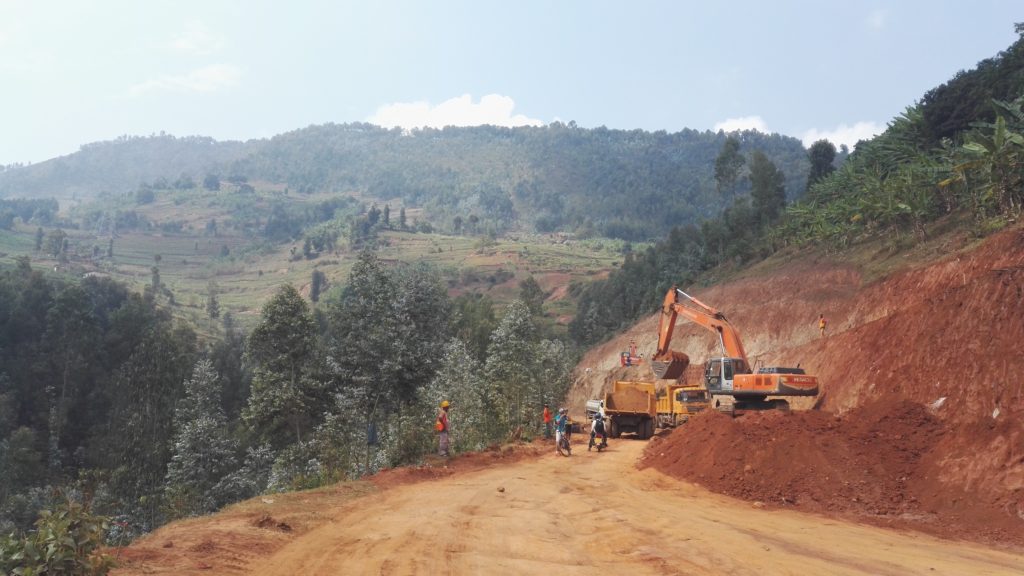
(822,323)
(441,425)
(547,422)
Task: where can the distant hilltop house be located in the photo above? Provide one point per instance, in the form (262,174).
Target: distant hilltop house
(94,275)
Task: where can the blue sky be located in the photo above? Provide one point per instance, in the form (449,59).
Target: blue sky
(74,72)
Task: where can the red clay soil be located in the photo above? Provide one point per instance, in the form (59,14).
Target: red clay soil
(943,329)
(877,463)
(237,538)
(437,467)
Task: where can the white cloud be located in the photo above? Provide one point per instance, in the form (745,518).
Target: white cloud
(876,19)
(844,134)
(493,109)
(207,79)
(742,123)
(196,40)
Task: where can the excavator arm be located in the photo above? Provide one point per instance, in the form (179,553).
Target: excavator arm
(669,364)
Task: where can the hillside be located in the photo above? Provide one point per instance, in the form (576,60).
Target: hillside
(633,185)
(937,327)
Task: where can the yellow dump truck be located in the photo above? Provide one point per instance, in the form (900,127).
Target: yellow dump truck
(678,402)
(631,408)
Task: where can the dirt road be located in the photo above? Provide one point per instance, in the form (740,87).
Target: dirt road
(595,514)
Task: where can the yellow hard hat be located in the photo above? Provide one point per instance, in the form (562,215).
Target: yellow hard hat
(444,404)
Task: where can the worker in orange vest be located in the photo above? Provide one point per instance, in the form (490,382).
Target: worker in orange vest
(441,425)
(547,422)
(822,323)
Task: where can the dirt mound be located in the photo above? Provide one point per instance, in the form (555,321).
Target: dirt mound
(267,521)
(879,462)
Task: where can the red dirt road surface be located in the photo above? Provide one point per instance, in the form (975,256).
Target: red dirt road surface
(586,514)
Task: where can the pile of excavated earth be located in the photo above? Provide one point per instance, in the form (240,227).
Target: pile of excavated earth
(920,420)
(881,462)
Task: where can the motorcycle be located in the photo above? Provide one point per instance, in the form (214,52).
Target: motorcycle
(594,443)
(563,444)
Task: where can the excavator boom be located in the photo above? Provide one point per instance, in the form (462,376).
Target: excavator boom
(671,365)
(732,375)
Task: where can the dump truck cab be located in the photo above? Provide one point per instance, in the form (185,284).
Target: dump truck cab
(677,403)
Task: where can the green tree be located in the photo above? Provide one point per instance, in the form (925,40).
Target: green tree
(821,154)
(473,321)
(212,303)
(459,381)
(22,462)
(728,165)
(532,295)
(135,446)
(282,349)
(768,188)
(39,238)
(362,334)
(55,242)
(316,285)
(509,370)
(211,182)
(70,337)
(203,451)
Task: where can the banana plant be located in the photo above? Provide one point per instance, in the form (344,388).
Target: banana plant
(998,158)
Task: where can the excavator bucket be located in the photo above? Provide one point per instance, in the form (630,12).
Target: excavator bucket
(670,366)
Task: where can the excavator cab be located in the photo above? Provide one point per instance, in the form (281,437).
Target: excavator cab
(720,372)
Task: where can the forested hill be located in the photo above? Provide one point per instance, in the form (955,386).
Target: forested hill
(634,184)
(118,166)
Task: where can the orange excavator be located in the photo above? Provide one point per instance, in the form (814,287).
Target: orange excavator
(729,375)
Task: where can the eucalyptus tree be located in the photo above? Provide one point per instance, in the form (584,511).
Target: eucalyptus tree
(768,188)
(510,370)
(458,380)
(728,165)
(282,349)
(203,451)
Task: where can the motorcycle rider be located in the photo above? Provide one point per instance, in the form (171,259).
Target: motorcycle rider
(597,429)
(561,426)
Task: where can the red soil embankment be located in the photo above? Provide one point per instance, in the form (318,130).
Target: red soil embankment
(944,330)
(879,462)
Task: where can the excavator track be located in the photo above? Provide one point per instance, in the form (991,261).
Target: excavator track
(734,408)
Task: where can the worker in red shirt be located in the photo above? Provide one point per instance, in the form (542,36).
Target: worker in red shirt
(547,422)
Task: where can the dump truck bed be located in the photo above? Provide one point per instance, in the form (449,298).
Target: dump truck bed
(631,398)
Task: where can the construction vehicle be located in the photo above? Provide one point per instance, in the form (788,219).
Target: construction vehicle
(630,357)
(678,402)
(631,408)
(730,374)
